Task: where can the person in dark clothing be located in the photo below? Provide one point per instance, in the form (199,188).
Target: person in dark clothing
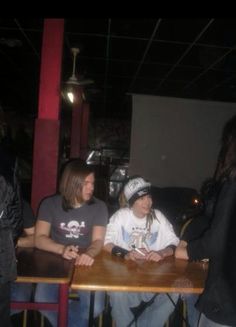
(11,223)
(192,230)
(10,229)
(23,291)
(217,303)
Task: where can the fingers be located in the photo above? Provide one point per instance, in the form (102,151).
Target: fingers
(154,256)
(134,255)
(84,260)
(70,252)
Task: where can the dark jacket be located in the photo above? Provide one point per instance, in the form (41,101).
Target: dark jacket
(10,193)
(11,224)
(199,224)
(217,301)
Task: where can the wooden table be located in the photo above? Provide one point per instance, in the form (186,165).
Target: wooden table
(110,273)
(37,266)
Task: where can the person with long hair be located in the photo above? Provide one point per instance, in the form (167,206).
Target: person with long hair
(137,231)
(72,224)
(217,303)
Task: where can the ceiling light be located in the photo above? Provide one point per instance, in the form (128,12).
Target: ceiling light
(74,87)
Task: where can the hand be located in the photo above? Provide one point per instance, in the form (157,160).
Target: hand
(181,252)
(70,252)
(182,243)
(84,260)
(136,255)
(155,256)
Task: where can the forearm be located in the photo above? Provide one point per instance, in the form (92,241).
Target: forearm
(181,252)
(108,247)
(168,251)
(43,242)
(94,249)
(26,241)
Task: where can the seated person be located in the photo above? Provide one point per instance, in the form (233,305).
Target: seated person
(72,224)
(139,232)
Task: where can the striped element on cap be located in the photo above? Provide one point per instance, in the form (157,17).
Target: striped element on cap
(134,186)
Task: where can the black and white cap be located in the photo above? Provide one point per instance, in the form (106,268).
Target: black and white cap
(136,188)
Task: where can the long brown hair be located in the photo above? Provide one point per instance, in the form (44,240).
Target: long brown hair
(74,173)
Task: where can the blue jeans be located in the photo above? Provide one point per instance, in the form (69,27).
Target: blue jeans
(78,311)
(205,322)
(21,292)
(192,313)
(154,315)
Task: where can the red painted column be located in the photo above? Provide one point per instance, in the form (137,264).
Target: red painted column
(77,109)
(85,130)
(47,125)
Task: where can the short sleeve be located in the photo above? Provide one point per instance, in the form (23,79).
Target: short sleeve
(28,215)
(101,216)
(113,229)
(45,210)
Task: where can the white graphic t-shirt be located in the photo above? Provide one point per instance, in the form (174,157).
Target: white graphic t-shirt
(125,230)
(73,227)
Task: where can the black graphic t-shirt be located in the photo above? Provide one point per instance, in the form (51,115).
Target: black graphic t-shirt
(73,227)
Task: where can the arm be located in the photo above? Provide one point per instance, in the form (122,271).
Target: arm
(161,254)
(27,239)
(44,242)
(121,252)
(112,239)
(181,251)
(212,243)
(108,247)
(168,243)
(168,251)
(87,258)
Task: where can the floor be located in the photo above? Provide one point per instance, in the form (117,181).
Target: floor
(34,319)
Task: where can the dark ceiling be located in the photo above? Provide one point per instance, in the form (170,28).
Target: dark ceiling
(189,58)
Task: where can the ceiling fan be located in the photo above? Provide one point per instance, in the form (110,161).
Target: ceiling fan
(73,80)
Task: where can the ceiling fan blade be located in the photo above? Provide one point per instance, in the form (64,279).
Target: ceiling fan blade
(75,81)
(85,82)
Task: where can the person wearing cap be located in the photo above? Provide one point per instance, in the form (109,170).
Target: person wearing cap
(139,232)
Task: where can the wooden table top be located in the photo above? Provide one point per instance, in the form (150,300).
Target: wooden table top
(115,274)
(35,266)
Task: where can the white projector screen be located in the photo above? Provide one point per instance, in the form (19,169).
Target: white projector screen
(174,141)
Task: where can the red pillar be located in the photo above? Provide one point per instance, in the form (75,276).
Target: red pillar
(85,130)
(47,125)
(77,109)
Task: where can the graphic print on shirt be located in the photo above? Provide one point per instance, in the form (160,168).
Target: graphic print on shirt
(140,237)
(74,229)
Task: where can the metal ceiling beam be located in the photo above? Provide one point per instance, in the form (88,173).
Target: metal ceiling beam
(135,38)
(27,39)
(185,53)
(228,79)
(209,67)
(145,53)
